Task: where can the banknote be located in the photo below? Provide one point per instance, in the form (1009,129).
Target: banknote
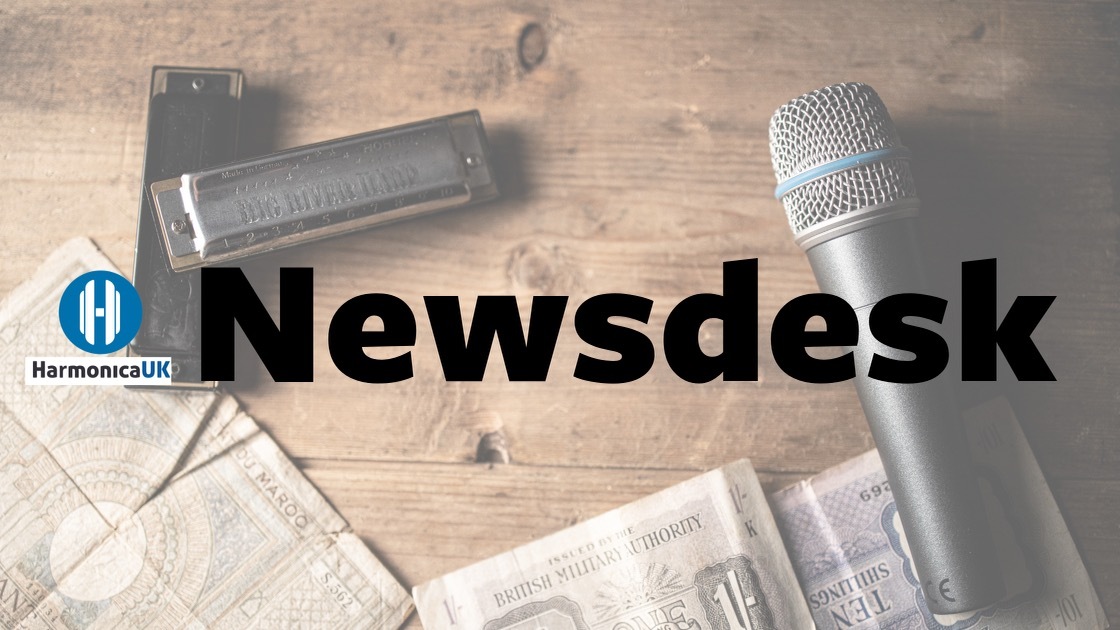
(130,509)
(851,554)
(702,555)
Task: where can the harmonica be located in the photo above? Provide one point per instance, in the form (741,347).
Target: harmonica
(192,124)
(227,213)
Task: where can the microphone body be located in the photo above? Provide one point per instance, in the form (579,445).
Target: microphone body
(855,216)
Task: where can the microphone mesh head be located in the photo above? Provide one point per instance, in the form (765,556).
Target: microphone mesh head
(826,125)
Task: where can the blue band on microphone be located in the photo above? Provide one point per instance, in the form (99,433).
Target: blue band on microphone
(894,153)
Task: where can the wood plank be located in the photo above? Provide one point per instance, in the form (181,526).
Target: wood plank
(645,188)
(634,159)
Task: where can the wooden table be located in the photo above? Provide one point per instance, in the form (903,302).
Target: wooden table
(633,147)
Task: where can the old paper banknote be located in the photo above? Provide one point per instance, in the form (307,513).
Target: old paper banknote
(125,509)
(696,556)
(704,554)
(851,555)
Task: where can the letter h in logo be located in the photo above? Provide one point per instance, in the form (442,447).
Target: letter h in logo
(111,312)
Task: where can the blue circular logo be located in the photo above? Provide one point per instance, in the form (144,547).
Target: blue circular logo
(100,312)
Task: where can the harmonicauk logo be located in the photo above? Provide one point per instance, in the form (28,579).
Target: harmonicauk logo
(100,312)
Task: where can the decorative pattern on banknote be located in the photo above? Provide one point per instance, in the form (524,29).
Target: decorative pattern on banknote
(846,566)
(557,613)
(732,596)
(130,509)
(852,529)
(305,561)
(79,550)
(164,555)
(23,553)
(633,586)
(303,601)
(37,332)
(241,536)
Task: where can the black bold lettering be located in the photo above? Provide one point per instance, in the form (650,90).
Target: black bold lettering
(931,353)
(738,309)
(982,338)
(346,338)
(285,350)
(789,339)
(527,356)
(635,349)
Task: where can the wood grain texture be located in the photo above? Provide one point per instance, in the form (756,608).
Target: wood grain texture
(634,159)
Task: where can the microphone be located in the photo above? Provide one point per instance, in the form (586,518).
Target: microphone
(844,179)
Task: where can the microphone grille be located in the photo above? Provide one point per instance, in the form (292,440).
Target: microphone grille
(830,124)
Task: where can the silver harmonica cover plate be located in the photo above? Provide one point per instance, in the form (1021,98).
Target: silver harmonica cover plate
(237,210)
